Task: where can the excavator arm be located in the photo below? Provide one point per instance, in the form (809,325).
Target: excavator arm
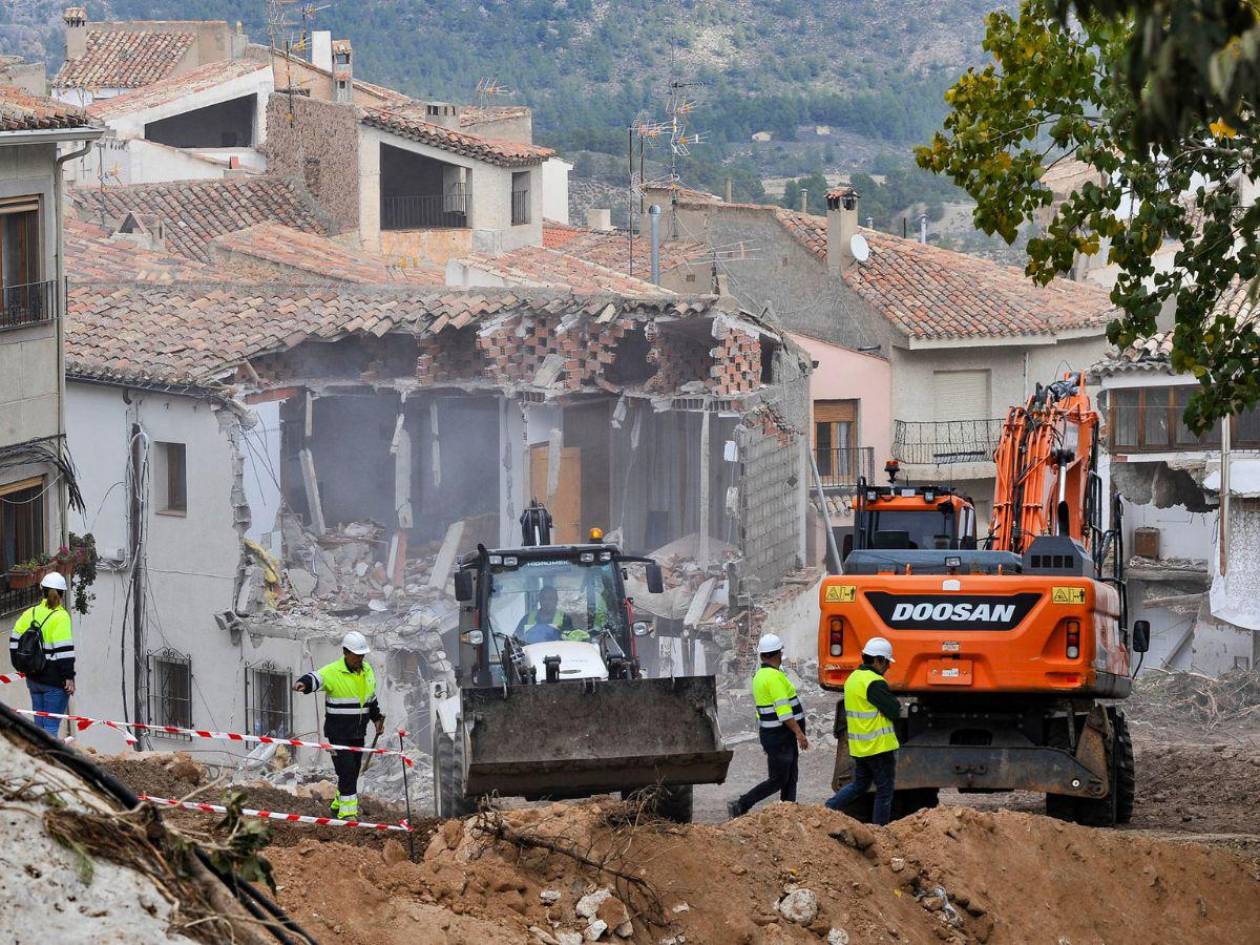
(1047,461)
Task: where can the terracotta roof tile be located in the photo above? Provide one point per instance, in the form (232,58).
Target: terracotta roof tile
(92,255)
(195,212)
(470,115)
(21,111)
(175,87)
(403,121)
(124,59)
(611,248)
(539,266)
(283,250)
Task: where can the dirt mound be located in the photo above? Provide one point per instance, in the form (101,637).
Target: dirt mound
(786,874)
(156,775)
(1213,788)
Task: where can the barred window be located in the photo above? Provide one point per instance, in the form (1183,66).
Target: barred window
(268,700)
(170,688)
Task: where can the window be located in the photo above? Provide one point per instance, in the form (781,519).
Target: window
(268,701)
(961,395)
(1150,419)
(27,300)
(170,472)
(22,537)
(520,198)
(170,688)
(835,439)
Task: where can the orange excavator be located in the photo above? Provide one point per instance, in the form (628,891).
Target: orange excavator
(1010,650)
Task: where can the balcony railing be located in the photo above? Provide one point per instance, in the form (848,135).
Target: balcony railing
(434,212)
(28,304)
(943,442)
(840,468)
(520,207)
(13,600)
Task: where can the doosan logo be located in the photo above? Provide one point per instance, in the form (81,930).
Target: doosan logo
(975,613)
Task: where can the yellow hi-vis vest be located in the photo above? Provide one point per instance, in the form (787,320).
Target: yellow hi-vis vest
(346,693)
(870,731)
(776,699)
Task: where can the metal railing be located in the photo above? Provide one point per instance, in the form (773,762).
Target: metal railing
(18,599)
(941,442)
(430,212)
(841,467)
(28,304)
(520,207)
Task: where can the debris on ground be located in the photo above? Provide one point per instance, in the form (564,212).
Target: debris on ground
(1183,701)
(563,873)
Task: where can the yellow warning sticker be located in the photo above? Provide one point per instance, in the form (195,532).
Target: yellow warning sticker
(1067,595)
(840,594)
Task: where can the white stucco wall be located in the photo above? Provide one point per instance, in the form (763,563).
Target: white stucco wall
(259,84)
(555,184)
(136,161)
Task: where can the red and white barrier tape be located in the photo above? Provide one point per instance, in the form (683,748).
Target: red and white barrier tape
(82,722)
(275,815)
(5,680)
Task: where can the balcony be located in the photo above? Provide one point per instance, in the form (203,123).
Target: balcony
(16,600)
(840,468)
(28,304)
(425,212)
(945,442)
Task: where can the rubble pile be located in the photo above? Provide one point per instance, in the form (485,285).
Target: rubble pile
(1177,702)
(594,872)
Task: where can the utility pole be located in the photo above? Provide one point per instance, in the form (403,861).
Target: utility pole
(137,581)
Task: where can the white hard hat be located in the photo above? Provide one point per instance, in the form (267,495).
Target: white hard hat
(769,643)
(54,579)
(878,646)
(355,642)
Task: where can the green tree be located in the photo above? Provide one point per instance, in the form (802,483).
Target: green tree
(1061,90)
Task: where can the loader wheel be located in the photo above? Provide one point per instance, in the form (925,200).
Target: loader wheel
(912,801)
(1126,769)
(448,786)
(666,801)
(1117,806)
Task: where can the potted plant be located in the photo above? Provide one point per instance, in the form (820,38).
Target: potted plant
(83,552)
(24,575)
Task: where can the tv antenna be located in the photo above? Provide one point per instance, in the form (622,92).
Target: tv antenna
(488,89)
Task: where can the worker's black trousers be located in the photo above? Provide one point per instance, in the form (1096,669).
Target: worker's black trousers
(782,758)
(347,764)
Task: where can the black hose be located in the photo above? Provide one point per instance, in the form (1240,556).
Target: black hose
(249,897)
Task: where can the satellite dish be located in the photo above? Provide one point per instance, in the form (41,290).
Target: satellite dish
(858,246)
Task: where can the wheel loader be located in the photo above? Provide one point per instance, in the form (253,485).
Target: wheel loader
(1013,650)
(549,701)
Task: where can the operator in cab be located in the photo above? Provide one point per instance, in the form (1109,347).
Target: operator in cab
(543,623)
(870,709)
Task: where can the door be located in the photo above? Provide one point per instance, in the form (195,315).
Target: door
(565,503)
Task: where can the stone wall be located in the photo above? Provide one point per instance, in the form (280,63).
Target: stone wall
(317,143)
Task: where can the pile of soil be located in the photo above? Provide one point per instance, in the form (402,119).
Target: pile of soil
(1198,788)
(157,776)
(784,874)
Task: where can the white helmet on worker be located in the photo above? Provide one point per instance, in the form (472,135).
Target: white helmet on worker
(54,579)
(356,643)
(878,646)
(769,643)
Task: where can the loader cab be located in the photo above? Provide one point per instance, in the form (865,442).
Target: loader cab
(570,593)
(911,518)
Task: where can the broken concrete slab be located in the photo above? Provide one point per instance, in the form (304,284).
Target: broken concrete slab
(444,564)
(302,582)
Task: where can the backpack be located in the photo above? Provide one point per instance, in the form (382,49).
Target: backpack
(29,656)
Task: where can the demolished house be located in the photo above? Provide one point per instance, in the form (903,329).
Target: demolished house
(412,424)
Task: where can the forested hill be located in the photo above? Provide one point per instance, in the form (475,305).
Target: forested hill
(872,67)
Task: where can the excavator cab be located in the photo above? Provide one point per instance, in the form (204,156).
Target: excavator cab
(900,517)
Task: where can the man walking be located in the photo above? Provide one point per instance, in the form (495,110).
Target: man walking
(781,726)
(349,701)
(869,710)
(50,674)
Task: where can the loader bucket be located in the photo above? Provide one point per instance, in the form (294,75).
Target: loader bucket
(583,737)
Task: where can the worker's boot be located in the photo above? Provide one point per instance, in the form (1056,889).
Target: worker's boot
(349,807)
(336,806)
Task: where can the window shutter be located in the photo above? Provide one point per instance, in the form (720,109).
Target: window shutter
(961,395)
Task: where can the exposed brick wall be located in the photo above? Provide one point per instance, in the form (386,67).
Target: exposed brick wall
(318,143)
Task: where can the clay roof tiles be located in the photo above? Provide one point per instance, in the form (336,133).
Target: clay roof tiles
(403,122)
(124,59)
(195,212)
(539,266)
(611,249)
(174,88)
(21,111)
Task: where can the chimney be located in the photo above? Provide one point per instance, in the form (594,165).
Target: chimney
(842,226)
(321,50)
(342,70)
(442,113)
(804,200)
(654,216)
(923,228)
(76,31)
(728,190)
(600,220)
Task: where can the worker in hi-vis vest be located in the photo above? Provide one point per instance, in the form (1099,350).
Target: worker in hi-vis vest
(870,709)
(349,701)
(780,726)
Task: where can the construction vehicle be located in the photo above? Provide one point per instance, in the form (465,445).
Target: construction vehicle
(549,701)
(1010,650)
